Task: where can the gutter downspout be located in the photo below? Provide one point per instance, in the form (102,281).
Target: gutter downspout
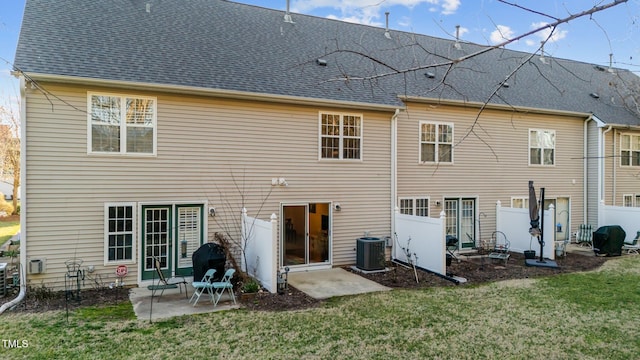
(394,171)
(585,202)
(23,198)
(614,170)
(603,160)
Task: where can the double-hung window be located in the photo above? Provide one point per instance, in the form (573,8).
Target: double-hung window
(340,136)
(631,200)
(629,150)
(119,220)
(542,146)
(414,206)
(122,124)
(436,142)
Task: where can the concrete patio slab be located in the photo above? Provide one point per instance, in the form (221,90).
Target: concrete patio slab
(173,303)
(323,284)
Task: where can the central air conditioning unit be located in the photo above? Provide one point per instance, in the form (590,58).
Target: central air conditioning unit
(3,279)
(370,253)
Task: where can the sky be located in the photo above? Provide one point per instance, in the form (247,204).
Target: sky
(590,38)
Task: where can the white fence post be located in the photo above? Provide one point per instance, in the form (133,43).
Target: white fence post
(243,238)
(443,234)
(552,213)
(274,253)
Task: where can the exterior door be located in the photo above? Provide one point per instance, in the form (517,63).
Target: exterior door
(460,220)
(156,240)
(171,233)
(305,234)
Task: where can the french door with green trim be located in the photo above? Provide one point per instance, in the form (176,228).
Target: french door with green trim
(170,233)
(460,217)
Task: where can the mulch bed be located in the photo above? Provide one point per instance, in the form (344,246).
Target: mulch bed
(475,271)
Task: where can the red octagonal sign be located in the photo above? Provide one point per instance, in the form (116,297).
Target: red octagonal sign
(122,271)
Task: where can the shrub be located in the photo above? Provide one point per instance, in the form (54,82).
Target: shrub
(5,207)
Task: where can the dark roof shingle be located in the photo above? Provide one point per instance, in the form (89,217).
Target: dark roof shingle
(216,44)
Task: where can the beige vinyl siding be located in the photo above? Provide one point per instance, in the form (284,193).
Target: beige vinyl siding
(620,180)
(491,163)
(201,144)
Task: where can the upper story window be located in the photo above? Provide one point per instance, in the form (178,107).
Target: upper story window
(542,146)
(340,136)
(122,124)
(436,142)
(630,150)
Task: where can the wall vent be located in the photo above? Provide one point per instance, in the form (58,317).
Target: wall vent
(36,266)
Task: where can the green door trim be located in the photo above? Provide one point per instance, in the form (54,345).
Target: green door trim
(186,271)
(147,268)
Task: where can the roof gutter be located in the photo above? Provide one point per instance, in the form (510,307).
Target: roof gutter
(23,203)
(478,105)
(219,93)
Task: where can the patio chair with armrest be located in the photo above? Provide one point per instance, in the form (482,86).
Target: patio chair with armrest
(500,247)
(222,285)
(206,283)
(633,246)
(164,283)
(584,236)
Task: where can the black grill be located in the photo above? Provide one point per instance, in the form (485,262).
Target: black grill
(208,256)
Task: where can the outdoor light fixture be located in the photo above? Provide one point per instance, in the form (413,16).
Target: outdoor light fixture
(283,278)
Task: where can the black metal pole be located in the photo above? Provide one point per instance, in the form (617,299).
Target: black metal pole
(541,224)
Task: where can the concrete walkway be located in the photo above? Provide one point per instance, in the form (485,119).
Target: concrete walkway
(323,284)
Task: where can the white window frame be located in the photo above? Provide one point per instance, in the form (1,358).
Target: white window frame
(412,205)
(524,201)
(436,143)
(627,200)
(634,139)
(542,148)
(341,137)
(134,210)
(122,124)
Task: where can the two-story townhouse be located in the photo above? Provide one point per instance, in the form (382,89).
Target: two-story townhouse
(142,121)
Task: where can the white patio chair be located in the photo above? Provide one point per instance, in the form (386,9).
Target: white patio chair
(222,285)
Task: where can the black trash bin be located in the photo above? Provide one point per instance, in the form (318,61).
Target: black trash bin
(208,256)
(608,240)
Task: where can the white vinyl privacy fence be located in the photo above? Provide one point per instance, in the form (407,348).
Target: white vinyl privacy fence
(515,224)
(627,217)
(260,238)
(422,240)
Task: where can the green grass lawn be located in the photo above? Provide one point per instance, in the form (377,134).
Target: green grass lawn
(8,228)
(592,315)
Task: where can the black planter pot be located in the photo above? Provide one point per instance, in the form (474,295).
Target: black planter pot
(529,254)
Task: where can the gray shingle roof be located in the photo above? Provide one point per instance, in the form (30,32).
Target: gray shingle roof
(215,44)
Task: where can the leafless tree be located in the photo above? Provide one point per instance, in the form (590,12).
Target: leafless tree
(10,149)
(229,218)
